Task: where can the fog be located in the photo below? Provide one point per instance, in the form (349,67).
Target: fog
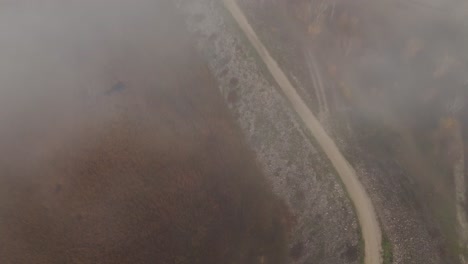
(59,58)
(116,145)
(389,78)
(75,71)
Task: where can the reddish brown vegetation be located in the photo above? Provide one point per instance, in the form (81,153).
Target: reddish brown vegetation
(154,173)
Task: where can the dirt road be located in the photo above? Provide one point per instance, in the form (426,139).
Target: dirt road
(366,214)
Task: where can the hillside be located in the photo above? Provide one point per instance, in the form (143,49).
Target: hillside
(388,80)
(116,145)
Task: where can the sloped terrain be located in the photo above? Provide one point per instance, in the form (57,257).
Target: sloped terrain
(116,145)
(393,75)
(326,229)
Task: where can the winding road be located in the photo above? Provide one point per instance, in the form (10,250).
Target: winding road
(365,210)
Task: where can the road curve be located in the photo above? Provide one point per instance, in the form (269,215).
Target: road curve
(365,210)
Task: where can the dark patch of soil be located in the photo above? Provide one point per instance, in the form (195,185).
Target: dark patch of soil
(234,81)
(351,254)
(297,251)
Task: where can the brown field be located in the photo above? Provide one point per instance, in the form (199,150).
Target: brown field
(116,146)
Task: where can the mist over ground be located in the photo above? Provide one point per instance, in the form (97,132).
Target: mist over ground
(120,138)
(116,145)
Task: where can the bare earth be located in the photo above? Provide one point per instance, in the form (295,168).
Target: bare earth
(117,147)
(364,208)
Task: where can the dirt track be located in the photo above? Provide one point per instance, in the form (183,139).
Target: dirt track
(367,217)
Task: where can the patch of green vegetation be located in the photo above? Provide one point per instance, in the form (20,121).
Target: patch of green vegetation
(387,250)
(445,214)
(362,245)
(462,251)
